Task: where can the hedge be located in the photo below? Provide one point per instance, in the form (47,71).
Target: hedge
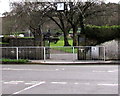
(102,33)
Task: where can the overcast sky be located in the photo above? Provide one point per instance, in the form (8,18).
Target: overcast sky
(4,4)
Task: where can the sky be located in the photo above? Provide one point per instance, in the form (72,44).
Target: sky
(4,5)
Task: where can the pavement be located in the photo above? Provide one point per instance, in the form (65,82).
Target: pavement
(80,62)
(59,79)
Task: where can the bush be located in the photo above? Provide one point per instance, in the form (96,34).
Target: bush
(102,33)
(13,61)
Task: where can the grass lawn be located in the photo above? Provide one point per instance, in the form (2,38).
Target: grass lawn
(61,42)
(60,45)
(4,43)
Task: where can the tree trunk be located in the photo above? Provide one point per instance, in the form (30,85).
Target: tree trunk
(75,35)
(66,43)
(83,29)
(82,25)
(37,36)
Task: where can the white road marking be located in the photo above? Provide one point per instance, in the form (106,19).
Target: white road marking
(27,88)
(91,66)
(15,69)
(63,69)
(108,84)
(32,82)
(10,83)
(59,82)
(98,71)
(110,71)
(19,82)
(13,82)
(82,83)
(29,83)
(113,71)
(6,68)
(76,83)
(37,82)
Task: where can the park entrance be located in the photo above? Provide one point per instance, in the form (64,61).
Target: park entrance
(75,53)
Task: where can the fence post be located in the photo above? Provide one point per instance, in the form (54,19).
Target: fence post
(17,54)
(44,55)
(73,53)
(104,53)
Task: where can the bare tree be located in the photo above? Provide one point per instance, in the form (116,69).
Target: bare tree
(30,15)
(107,17)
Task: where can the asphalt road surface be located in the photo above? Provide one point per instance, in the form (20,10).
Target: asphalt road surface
(59,79)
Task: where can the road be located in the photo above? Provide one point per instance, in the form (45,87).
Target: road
(59,79)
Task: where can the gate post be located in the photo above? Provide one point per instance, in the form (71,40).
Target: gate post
(73,53)
(44,54)
(104,53)
(17,54)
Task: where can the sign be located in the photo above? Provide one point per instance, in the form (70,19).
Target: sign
(95,52)
(60,6)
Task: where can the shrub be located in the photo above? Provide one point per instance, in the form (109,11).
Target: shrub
(13,61)
(102,33)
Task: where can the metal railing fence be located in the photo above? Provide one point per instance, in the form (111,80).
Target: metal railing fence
(69,53)
(33,53)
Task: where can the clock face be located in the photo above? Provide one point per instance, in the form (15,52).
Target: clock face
(60,6)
